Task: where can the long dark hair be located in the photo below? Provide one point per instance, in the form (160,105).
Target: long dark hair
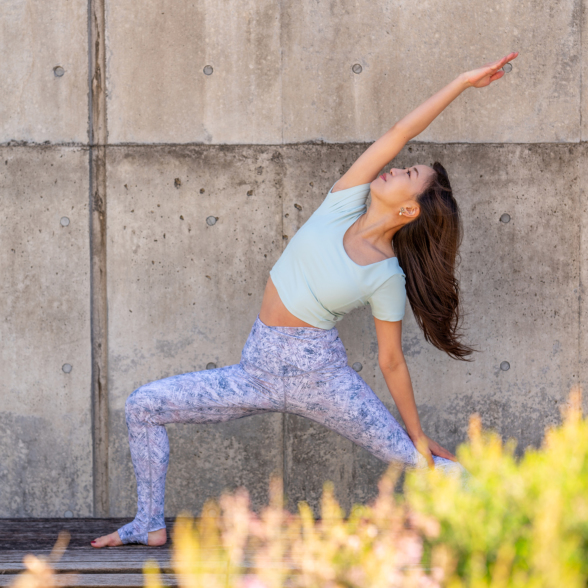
(427,251)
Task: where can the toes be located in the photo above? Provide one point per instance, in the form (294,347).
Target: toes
(97,542)
(112,540)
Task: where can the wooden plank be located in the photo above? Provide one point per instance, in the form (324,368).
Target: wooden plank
(114,568)
(93,555)
(41,534)
(21,534)
(114,580)
(99,580)
(86,557)
(91,567)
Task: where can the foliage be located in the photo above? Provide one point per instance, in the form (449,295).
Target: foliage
(516,522)
(39,572)
(379,546)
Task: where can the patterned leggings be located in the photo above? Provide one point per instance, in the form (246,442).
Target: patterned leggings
(300,370)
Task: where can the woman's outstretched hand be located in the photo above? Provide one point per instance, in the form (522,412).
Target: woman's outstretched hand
(485,75)
(428,448)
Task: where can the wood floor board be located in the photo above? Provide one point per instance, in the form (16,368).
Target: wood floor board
(99,580)
(120,567)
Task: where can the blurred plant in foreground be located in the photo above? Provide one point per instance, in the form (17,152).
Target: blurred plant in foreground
(39,571)
(517,522)
(379,546)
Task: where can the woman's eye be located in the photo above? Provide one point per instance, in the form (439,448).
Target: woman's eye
(408,172)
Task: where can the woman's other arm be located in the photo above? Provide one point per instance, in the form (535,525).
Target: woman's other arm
(395,371)
(387,147)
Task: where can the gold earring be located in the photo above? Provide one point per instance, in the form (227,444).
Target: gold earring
(401,211)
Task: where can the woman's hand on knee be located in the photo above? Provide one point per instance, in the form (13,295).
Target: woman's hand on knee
(428,448)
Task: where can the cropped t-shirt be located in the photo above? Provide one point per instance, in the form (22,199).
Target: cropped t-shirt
(319,283)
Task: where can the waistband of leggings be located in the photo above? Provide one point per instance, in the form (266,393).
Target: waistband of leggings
(306,333)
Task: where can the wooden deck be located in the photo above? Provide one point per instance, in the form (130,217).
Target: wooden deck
(114,567)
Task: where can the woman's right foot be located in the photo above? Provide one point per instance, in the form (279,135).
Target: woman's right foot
(155,538)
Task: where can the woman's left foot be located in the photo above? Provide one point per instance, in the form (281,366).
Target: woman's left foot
(112,540)
(155,538)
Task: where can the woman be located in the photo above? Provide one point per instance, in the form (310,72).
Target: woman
(345,256)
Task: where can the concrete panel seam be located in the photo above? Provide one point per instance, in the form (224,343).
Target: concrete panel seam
(582,2)
(97,112)
(33,144)
(97,134)
(273,145)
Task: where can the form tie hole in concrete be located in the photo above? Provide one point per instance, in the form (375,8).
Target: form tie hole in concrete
(357,366)
(211,220)
(64,221)
(66,367)
(507,68)
(211,366)
(298,207)
(505,366)
(58,71)
(505,218)
(68,514)
(356,68)
(177,182)
(208,70)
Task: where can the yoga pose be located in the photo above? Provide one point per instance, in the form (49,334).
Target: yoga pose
(345,256)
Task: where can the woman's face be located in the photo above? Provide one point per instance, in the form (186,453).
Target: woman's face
(400,187)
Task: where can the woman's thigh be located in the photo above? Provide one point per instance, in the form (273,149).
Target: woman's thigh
(341,400)
(206,396)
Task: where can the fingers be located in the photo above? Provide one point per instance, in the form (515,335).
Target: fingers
(429,457)
(498,64)
(422,445)
(441,452)
(496,76)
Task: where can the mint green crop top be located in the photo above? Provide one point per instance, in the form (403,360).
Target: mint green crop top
(319,283)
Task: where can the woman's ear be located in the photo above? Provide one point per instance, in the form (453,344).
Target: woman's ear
(411,211)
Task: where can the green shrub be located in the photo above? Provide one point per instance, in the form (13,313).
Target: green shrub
(517,522)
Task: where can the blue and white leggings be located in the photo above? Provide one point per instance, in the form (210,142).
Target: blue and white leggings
(300,370)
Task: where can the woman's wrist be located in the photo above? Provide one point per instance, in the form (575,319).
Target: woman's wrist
(415,432)
(463,81)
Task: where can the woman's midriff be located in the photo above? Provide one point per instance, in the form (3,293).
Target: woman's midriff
(273,313)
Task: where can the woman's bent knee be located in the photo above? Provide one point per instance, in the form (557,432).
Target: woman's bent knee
(137,404)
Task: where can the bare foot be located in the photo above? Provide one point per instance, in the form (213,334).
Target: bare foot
(155,539)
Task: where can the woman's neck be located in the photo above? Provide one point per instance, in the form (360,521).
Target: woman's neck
(377,226)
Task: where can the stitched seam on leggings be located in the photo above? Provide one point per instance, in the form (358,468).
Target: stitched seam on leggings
(253,367)
(284,395)
(150,486)
(282,346)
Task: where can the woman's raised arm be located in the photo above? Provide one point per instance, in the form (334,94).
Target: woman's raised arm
(387,147)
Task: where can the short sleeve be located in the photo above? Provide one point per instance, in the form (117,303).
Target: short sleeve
(389,300)
(350,200)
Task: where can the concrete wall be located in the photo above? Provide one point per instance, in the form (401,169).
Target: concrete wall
(109,171)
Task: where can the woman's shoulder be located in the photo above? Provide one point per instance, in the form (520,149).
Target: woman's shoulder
(345,200)
(394,270)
